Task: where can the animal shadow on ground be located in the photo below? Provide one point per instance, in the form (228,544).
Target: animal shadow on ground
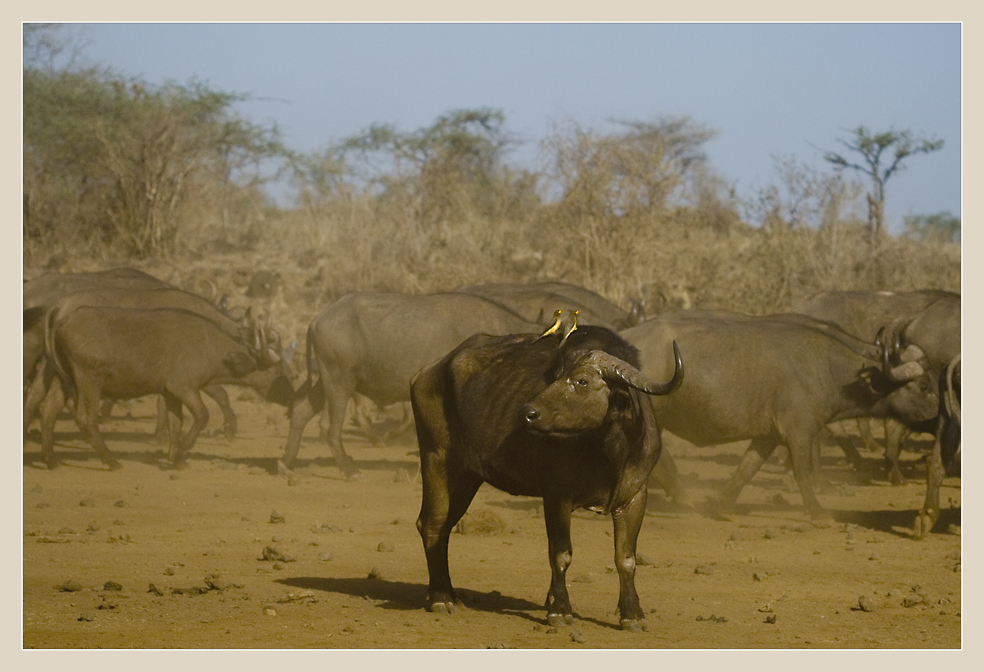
(896,522)
(412,596)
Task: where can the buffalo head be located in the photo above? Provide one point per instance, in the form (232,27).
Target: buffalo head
(581,398)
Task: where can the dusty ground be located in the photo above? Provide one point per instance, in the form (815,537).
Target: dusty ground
(346,568)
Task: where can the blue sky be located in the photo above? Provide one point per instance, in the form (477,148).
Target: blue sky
(768,89)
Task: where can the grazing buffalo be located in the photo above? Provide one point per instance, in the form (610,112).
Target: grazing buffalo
(148,296)
(372,343)
(562,419)
(863,313)
(41,293)
(775,381)
(123,353)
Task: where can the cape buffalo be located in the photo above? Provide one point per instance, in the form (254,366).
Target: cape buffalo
(372,343)
(862,313)
(774,381)
(123,353)
(567,423)
(106,291)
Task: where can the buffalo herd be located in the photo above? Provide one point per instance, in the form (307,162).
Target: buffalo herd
(546,390)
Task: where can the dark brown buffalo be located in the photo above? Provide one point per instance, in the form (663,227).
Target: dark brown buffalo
(569,424)
(123,353)
(776,382)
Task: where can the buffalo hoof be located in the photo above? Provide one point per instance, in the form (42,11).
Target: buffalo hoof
(113,465)
(353,475)
(52,464)
(447,607)
(895,477)
(634,625)
(229,431)
(821,519)
(719,511)
(925,520)
(283,469)
(560,620)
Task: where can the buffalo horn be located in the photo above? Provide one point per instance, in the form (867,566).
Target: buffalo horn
(613,367)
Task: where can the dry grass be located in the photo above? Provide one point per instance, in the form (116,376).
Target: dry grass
(682,257)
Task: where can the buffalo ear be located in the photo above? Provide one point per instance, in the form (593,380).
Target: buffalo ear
(240,364)
(620,401)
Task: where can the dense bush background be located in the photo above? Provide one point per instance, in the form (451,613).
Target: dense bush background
(171,179)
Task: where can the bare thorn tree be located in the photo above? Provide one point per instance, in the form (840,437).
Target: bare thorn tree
(871,147)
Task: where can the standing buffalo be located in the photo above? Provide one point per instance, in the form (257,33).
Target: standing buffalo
(567,423)
(774,381)
(123,353)
(862,313)
(372,343)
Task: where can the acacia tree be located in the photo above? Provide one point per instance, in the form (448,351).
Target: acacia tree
(111,161)
(634,170)
(871,147)
(447,169)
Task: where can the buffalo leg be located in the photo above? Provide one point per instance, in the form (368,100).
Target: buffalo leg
(895,434)
(309,400)
(229,422)
(445,499)
(106,409)
(557,515)
(36,392)
(801,456)
(87,418)
(337,397)
(199,416)
(930,511)
(49,408)
(628,522)
(864,430)
(173,413)
(162,432)
(756,454)
(820,481)
(666,476)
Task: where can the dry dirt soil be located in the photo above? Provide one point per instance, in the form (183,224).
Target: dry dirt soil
(229,554)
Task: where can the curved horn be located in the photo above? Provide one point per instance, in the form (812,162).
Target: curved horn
(613,367)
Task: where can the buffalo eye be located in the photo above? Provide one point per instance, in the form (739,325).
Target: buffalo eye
(581,382)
